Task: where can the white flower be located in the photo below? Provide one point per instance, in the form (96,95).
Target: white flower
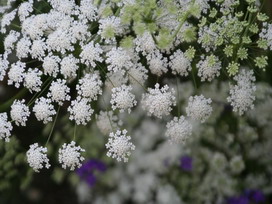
(34,26)
(80,111)
(7,19)
(157,63)
(19,112)
(89,87)
(63,6)
(110,27)
(207,38)
(4,63)
(208,67)
(91,53)
(32,80)
(242,95)
(219,161)
(79,31)
(178,130)
(227,5)
(118,59)
(122,99)
(59,91)
(24,10)
(87,10)
(145,44)
(68,66)
(44,110)
(266,33)
(37,158)
(10,40)
(23,48)
(51,65)
(180,64)
(38,49)
(60,41)
(106,121)
(119,145)
(237,164)
(158,101)
(199,108)
(16,74)
(5,127)
(70,157)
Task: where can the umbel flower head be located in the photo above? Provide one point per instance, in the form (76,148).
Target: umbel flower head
(242,95)
(199,108)
(178,130)
(80,111)
(70,156)
(19,112)
(59,91)
(105,121)
(5,127)
(122,98)
(44,110)
(158,101)
(37,158)
(119,145)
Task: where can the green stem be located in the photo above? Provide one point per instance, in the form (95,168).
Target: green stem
(186,15)
(31,61)
(137,82)
(75,129)
(16,26)
(38,94)
(178,97)
(105,74)
(8,103)
(193,75)
(52,128)
(117,12)
(108,114)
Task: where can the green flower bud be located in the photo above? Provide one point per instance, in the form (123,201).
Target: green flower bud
(261,62)
(233,68)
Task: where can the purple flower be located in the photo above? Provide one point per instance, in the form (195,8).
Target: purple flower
(249,196)
(255,195)
(186,163)
(238,200)
(86,171)
(258,196)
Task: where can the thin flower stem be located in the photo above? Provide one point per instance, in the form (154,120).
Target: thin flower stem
(138,82)
(193,76)
(105,74)
(31,61)
(16,26)
(108,114)
(178,97)
(7,104)
(118,11)
(183,20)
(46,3)
(52,128)
(75,129)
(38,94)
